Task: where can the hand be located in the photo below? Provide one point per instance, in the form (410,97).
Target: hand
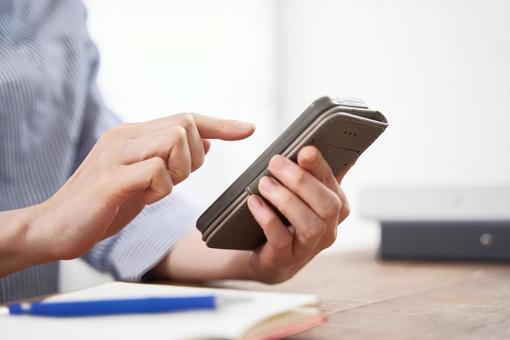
(129,167)
(309,196)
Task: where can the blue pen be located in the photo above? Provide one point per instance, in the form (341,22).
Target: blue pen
(113,306)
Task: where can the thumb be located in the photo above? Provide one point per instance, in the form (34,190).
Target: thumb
(225,129)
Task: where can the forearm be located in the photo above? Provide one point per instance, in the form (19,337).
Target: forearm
(191,260)
(16,249)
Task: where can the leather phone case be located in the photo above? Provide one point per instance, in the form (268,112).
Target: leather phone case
(340,129)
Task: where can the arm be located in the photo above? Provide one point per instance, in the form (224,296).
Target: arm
(191,260)
(307,194)
(129,167)
(15,252)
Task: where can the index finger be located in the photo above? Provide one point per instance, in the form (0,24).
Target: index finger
(208,127)
(225,129)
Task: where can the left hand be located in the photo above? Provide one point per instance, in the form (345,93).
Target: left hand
(309,196)
(306,193)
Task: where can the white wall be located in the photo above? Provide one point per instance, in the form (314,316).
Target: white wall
(439,70)
(162,57)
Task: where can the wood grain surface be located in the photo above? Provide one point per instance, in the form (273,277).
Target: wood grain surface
(366,298)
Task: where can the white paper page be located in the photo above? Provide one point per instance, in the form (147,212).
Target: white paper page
(227,322)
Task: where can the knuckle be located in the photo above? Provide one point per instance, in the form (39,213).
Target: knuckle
(157,164)
(333,207)
(280,244)
(180,132)
(179,136)
(186,172)
(200,161)
(300,178)
(345,211)
(346,208)
(186,120)
(270,219)
(314,231)
(330,240)
(179,174)
(167,190)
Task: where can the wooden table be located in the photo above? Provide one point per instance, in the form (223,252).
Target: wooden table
(366,298)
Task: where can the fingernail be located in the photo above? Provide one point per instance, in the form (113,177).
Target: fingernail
(277,163)
(244,125)
(267,183)
(254,202)
(310,154)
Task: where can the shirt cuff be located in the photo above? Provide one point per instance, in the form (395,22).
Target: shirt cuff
(150,237)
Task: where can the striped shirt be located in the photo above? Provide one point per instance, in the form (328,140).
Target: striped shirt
(51,114)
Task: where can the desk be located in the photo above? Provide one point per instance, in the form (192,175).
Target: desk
(366,298)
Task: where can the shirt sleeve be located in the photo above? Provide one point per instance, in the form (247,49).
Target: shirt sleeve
(145,241)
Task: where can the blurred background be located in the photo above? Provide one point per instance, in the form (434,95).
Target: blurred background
(439,70)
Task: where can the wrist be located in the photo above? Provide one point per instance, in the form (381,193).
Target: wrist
(17,251)
(240,266)
(38,242)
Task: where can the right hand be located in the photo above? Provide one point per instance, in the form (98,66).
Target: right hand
(130,166)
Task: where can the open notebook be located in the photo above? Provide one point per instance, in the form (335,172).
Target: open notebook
(254,315)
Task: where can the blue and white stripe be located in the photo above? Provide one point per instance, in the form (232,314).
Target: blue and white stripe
(51,114)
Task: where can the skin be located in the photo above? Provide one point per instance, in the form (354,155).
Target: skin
(309,196)
(138,164)
(129,167)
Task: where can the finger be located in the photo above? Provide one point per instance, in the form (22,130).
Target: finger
(194,141)
(185,120)
(345,209)
(150,176)
(170,144)
(208,127)
(311,159)
(277,234)
(324,201)
(179,159)
(207,145)
(215,128)
(308,225)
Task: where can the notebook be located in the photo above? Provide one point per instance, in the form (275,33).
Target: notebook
(250,315)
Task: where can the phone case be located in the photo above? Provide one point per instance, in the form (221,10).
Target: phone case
(340,128)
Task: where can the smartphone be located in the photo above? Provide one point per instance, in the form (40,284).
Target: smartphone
(341,129)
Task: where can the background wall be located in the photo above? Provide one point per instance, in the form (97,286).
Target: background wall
(438,69)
